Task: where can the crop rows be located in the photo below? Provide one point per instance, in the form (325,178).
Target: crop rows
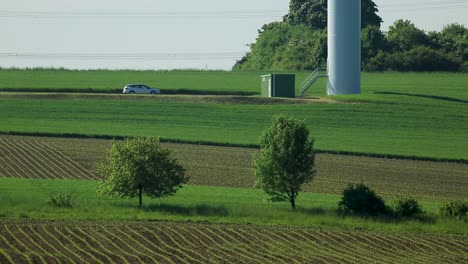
(171,242)
(36,159)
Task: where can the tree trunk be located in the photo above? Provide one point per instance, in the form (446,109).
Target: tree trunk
(140,195)
(293,202)
(292,198)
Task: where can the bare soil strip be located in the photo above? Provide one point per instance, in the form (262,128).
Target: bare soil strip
(47,241)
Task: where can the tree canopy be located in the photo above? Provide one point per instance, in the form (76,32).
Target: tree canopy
(140,166)
(286,159)
(313,13)
(299,42)
(404,35)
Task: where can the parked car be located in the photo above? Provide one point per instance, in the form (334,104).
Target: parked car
(140,89)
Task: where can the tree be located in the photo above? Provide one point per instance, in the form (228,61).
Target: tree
(454,40)
(404,35)
(300,41)
(369,15)
(140,166)
(286,159)
(373,41)
(313,13)
(281,46)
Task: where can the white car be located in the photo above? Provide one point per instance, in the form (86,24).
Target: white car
(139,89)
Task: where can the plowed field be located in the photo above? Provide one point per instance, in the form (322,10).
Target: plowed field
(57,158)
(36,159)
(23,241)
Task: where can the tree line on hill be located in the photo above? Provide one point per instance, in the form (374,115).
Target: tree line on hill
(299,42)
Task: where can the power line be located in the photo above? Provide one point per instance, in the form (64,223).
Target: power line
(139,14)
(127,56)
(196,15)
(423,3)
(422,6)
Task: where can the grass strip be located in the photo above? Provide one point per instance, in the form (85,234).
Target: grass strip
(26,198)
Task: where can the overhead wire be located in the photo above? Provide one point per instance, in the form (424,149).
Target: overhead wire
(220,14)
(127,56)
(139,14)
(166,15)
(422,6)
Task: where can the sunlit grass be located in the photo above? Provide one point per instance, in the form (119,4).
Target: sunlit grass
(26,198)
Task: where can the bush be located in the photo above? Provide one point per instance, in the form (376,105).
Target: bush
(360,199)
(423,59)
(60,200)
(407,207)
(455,209)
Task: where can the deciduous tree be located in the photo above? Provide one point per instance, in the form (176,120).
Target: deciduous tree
(140,166)
(313,13)
(404,35)
(286,159)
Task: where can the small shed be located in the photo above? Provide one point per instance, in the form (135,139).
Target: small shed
(279,85)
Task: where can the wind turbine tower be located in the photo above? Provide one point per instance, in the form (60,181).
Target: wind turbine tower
(344,47)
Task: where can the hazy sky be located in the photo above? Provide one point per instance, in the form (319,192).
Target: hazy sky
(156,34)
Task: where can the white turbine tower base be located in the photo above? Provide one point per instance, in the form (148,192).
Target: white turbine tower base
(344,47)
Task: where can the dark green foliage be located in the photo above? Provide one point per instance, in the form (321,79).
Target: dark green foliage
(360,199)
(456,209)
(369,15)
(407,48)
(421,58)
(453,39)
(281,46)
(60,200)
(300,43)
(407,207)
(373,42)
(140,166)
(286,159)
(404,35)
(313,13)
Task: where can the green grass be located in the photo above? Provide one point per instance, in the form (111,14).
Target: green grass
(408,127)
(107,81)
(405,114)
(25,198)
(439,84)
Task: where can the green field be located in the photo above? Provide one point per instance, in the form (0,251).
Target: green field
(114,81)
(405,126)
(404,114)
(219,216)
(446,85)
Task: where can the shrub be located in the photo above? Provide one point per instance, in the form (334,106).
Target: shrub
(455,209)
(60,200)
(407,207)
(422,59)
(360,199)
